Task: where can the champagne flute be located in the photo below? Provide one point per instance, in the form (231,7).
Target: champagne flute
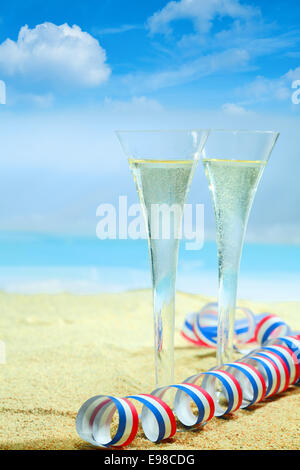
(234,162)
(163,164)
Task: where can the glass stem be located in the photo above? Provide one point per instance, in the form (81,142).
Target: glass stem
(229,262)
(163,282)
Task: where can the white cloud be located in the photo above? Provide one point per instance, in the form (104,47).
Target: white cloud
(124,28)
(227,60)
(200,12)
(60,54)
(136,104)
(234,109)
(232,46)
(263,89)
(292,75)
(45,100)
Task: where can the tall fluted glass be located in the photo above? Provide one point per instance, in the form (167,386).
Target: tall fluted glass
(163,164)
(234,162)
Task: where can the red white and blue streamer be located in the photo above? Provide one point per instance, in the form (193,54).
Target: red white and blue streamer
(200,328)
(271,368)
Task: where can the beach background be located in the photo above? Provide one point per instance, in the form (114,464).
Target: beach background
(76,311)
(45,263)
(64,348)
(77,321)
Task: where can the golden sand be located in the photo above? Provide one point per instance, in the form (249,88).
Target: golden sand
(63,349)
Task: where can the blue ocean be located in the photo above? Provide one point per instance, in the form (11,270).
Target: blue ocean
(39,263)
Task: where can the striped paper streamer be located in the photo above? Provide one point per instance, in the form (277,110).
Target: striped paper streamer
(200,328)
(260,374)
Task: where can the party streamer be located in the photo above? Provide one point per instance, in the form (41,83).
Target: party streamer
(270,369)
(200,328)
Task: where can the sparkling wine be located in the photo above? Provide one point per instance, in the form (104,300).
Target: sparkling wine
(232,185)
(163,186)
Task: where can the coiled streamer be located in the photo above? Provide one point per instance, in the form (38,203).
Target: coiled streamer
(200,328)
(265,371)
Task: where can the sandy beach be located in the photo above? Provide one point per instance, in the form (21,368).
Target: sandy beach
(63,349)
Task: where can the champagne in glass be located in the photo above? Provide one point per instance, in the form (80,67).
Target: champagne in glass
(234,162)
(163,164)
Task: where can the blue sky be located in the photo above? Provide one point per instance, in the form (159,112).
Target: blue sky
(77,70)
(183,53)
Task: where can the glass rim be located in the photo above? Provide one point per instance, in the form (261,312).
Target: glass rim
(246,131)
(237,137)
(118,131)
